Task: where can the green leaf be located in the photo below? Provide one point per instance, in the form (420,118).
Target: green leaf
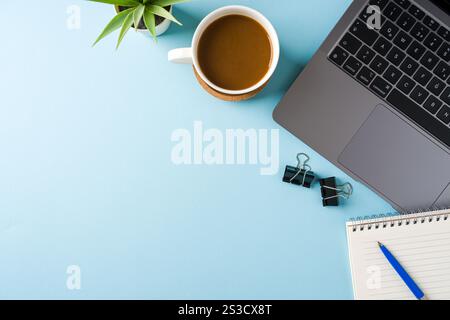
(138,12)
(165,3)
(149,20)
(160,11)
(114,24)
(125,3)
(126,26)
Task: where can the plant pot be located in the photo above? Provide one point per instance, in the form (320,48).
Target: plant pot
(162,25)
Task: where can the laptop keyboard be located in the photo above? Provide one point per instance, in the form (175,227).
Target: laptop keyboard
(405,63)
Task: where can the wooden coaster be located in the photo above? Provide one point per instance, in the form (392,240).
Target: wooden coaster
(227,97)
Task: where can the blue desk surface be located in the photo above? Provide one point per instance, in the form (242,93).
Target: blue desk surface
(86,176)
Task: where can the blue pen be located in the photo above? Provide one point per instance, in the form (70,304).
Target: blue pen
(402,273)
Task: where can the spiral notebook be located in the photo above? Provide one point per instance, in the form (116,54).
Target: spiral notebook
(419,241)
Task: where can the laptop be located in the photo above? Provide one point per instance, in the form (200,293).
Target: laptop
(375,100)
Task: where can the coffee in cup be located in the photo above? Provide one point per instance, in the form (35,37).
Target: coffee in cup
(235,50)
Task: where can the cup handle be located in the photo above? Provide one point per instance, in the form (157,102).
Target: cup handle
(181,56)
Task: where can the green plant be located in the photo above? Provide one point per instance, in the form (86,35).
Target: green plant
(135,12)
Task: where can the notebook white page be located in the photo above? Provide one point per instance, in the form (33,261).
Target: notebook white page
(420,242)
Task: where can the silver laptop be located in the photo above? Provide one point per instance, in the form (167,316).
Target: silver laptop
(375,100)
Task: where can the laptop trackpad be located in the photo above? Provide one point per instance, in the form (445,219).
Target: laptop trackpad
(397,161)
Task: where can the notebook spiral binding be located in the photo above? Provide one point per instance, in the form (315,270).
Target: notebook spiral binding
(396,219)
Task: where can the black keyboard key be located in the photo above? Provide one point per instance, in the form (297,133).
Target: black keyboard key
(431,23)
(382,46)
(406,85)
(402,40)
(444,114)
(403,3)
(381,87)
(422,76)
(389,30)
(429,60)
(444,52)
(433,42)
(350,43)
(406,21)
(362,32)
(442,70)
(409,66)
(419,94)
(364,15)
(379,65)
(352,65)
(396,56)
(392,11)
(392,74)
(416,50)
(444,33)
(419,31)
(380,3)
(416,12)
(366,76)
(365,54)
(436,86)
(420,116)
(432,104)
(446,96)
(339,55)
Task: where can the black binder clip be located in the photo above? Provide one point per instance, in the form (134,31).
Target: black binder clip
(300,175)
(332,192)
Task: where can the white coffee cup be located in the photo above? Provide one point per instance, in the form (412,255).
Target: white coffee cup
(189,55)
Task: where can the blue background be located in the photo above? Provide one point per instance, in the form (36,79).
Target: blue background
(86,176)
